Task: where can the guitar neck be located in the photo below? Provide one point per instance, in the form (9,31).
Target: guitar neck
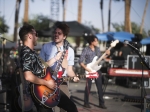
(66,44)
(99,60)
(59,64)
(71,78)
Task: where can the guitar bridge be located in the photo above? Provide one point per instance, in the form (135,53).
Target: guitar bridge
(47,95)
(44,99)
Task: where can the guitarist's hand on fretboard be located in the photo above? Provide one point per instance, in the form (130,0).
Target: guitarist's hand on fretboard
(107,53)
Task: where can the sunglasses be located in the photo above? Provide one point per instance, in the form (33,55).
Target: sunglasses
(59,33)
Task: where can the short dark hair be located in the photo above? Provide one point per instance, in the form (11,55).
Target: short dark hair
(90,39)
(24,30)
(64,27)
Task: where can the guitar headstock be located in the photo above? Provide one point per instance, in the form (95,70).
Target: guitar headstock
(113,44)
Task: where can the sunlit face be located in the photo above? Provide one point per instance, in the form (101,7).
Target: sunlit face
(59,36)
(95,42)
(35,37)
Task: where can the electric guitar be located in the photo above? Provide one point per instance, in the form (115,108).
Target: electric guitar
(44,95)
(27,100)
(94,65)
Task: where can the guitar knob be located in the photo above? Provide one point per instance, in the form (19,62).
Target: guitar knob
(57,100)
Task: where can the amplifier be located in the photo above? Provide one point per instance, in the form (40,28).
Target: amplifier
(134,62)
(147,103)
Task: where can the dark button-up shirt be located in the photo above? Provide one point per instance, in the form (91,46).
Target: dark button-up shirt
(30,62)
(88,54)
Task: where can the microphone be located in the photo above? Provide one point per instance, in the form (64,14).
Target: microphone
(130,44)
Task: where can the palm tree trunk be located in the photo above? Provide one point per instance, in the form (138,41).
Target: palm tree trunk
(101,6)
(64,9)
(16,19)
(25,20)
(109,15)
(79,11)
(146,5)
(127,16)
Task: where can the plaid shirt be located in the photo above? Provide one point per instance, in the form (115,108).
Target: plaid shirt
(87,54)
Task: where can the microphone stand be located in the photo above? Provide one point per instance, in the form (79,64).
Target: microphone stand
(143,63)
(3,54)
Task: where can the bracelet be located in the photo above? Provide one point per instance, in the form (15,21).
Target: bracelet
(75,76)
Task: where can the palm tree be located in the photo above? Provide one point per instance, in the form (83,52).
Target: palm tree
(16,19)
(101,7)
(109,15)
(127,16)
(79,11)
(25,20)
(127,22)
(146,5)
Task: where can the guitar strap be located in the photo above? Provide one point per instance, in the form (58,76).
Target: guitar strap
(22,80)
(21,88)
(96,51)
(65,48)
(45,64)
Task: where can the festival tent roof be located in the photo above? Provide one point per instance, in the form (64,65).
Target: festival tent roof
(107,36)
(121,36)
(145,41)
(76,29)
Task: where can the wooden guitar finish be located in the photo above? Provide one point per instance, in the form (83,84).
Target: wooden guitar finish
(48,97)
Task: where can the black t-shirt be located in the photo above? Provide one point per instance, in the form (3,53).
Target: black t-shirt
(125,51)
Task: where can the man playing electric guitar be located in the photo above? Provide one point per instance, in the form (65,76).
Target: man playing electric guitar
(52,52)
(87,56)
(32,69)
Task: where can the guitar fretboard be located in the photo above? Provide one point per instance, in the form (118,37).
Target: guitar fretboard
(59,64)
(66,44)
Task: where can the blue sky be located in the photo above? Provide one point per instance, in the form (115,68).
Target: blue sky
(91,14)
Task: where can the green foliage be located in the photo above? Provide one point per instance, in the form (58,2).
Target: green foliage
(96,30)
(135,28)
(118,27)
(39,22)
(3,26)
(148,32)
